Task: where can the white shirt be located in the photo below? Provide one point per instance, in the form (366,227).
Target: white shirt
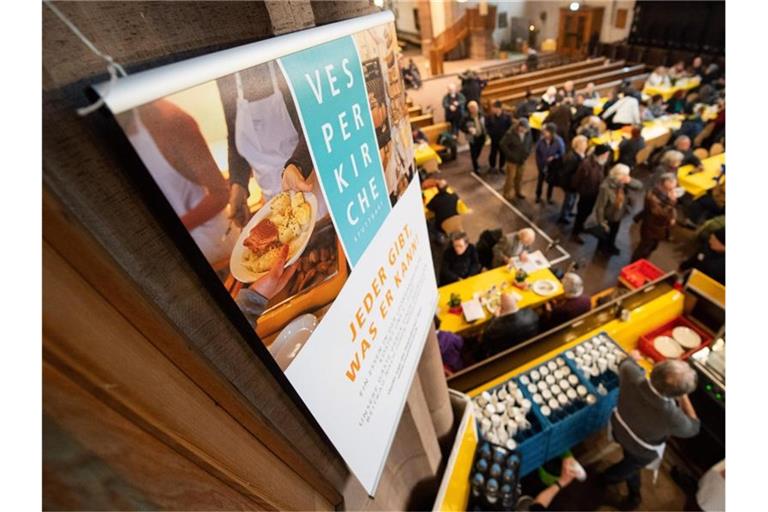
(627,111)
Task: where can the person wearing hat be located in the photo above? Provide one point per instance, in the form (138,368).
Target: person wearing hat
(710,259)
(575,302)
(613,204)
(657,217)
(586,182)
(516,145)
(496,125)
(509,327)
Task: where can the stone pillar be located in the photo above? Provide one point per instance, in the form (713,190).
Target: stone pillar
(425,24)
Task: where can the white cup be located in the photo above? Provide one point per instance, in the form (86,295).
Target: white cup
(524,380)
(569,354)
(566,370)
(501,407)
(560,361)
(558,374)
(580,350)
(489,410)
(511,387)
(525,405)
(602,349)
(571,394)
(502,394)
(563,399)
(543,370)
(546,394)
(553,404)
(542,385)
(573,379)
(535,375)
(545,410)
(602,365)
(491,437)
(591,399)
(519,395)
(550,380)
(538,399)
(511,444)
(555,389)
(512,428)
(552,366)
(485,425)
(502,434)
(495,420)
(581,389)
(484,398)
(587,345)
(564,384)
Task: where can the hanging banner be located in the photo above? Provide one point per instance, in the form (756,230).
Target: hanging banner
(290,164)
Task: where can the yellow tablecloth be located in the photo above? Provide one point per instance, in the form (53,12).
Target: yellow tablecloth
(423,154)
(429,193)
(698,184)
(651,130)
(685,84)
(481,283)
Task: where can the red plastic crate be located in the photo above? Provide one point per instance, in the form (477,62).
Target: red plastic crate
(645,344)
(640,272)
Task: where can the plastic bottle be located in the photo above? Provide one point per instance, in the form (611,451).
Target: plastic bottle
(477,485)
(492,491)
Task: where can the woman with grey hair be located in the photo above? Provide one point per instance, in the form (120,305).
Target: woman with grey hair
(668,163)
(613,204)
(658,216)
(648,413)
(575,303)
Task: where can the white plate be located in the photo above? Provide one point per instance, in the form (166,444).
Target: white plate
(686,337)
(544,287)
(240,271)
(291,339)
(667,347)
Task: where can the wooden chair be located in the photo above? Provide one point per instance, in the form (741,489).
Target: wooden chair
(701,153)
(716,149)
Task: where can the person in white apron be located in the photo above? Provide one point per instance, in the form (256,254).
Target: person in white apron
(194,195)
(648,413)
(266,137)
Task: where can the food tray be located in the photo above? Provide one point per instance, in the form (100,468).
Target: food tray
(645,344)
(637,274)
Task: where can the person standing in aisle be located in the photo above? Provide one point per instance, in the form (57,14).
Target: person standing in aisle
(629,148)
(497,124)
(453,104)
(571,164)
(657,217)
(586,182)
(648,413)
(550,151)
(516,145)
(473,125)
(613,204)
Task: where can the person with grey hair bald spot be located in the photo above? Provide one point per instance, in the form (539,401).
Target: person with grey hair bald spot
(649,412)
(575,302)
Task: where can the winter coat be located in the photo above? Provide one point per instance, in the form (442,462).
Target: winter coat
(606,209)
(657,216)
(516,150)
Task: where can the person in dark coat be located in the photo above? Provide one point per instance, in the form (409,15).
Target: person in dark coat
(657,217)
(580,112)
(516,145)
(613,203)
(692,126)
(710,259)
(561,116)
(472,85)
(683,144)
(526,107)
(550,151)
(496,125)
(629,148)
(444,204)
(460,259)
(473,125)
(571,164)
(575,302)
(454,104)
(586,182)
(511,327)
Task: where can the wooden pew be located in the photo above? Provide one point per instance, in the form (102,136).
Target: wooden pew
(546,60)
(422,120)
(556,70)
(555,80)
(611,76)
(414,111)
(433,132)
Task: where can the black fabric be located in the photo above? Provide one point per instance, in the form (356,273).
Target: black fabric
(506,331)
(583,210)
(443,205)
(455,266)
(485,243)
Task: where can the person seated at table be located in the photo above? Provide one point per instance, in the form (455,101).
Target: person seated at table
(509,327)
(412,75)
(625,111)
(591,127)
(656,107)
(629,148)
(682,143)
(629,89)
(561,116)
(513,244)
(568,90)
(712,75)
(708,206)
(496,125)
(451,345)
(575,302)
(697,67)
(590,94)
(571,163)
(693,125)
(710,259)
(418,136)
(669,162)
(444,204)
(526,107)
(548,99)
(658,216)
(460,259)
(580,111)
(611,98)
(659,78)
(678,71)
(676,104)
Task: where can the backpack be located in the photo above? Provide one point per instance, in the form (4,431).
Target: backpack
(447,140)
(485,243)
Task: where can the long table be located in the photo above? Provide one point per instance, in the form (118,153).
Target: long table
(684,84)
(482,282)
(698,184)
(536,120)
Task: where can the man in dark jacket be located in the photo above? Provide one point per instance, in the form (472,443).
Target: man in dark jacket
(561,116)
(575,302)
(460,260)
(586,182)
(571,164)
(711,259)
(648,413)
(526,107)
(473,126)
(496,125)
(511,327)
(516,145)
(683,144)
(443,204)
(629,148)
(454,104)
(472,85)
(658,216)
(550,151)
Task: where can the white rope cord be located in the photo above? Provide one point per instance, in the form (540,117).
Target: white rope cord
(112,67)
